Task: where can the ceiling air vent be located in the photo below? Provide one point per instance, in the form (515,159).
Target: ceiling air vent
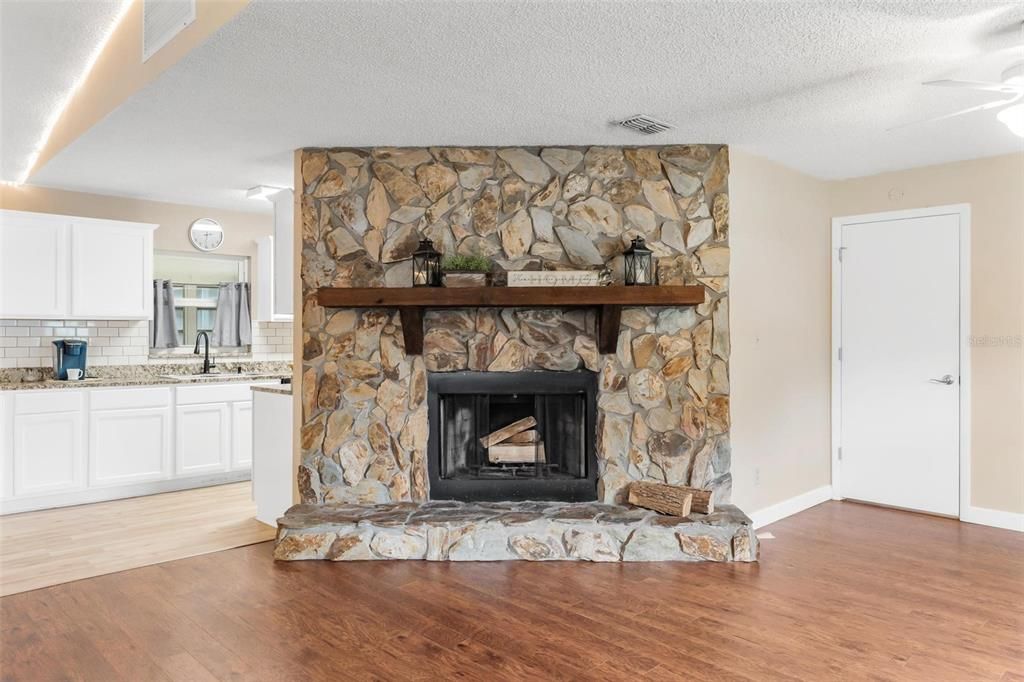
(645,125)
(162,20)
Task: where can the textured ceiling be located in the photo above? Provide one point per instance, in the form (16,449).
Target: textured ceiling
(811,85)
(44,47)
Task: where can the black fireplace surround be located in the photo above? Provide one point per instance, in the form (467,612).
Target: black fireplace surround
(560,464)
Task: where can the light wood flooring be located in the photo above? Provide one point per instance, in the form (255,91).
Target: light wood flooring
(55,546)
(844,592)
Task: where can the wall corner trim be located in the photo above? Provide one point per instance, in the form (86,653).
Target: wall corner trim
(995,518)
(793,505)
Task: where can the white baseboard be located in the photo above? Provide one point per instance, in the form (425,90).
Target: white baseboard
(995,518)
(793,505)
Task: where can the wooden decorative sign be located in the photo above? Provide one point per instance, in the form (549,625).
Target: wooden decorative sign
(554,278)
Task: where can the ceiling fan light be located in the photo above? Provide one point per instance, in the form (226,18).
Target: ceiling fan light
(1013,118)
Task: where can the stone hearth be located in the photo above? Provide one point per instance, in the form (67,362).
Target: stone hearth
(497,531)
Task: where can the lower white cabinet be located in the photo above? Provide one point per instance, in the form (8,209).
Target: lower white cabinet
(60,447)
(48,453)
(202,437)
(129,435)
(126,446)
(241,435)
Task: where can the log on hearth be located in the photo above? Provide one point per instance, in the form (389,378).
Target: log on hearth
(676,500)
(505,432)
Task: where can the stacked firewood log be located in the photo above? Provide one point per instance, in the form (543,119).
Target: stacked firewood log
(517,443)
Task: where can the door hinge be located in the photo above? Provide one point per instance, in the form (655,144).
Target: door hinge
(840,355)
(841,249)
(840,449)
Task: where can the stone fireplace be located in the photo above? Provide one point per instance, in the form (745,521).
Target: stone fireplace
(378,424)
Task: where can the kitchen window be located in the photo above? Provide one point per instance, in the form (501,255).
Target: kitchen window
(195,280)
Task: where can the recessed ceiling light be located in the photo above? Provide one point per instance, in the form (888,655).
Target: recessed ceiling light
(262,192)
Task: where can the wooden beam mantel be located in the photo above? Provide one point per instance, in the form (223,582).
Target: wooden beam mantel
(608,301)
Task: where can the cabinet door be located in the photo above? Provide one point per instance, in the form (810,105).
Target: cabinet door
(241,435)
(202,438)
(48,453)
(111,271)
(33,266)
(129,445)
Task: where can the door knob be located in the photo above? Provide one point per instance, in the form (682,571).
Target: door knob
(947,380)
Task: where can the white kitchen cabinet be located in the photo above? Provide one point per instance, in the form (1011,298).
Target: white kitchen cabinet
(241,435)
(48,449)
(202,438)
(273,471)
(63,267)
(34,276)
(129,435)
(111,270)
(74,446)
(268,305)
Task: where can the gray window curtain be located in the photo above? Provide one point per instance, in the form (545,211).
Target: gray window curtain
(232,325)
(163,331)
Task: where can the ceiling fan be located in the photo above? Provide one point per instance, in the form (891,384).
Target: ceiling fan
(1011,85)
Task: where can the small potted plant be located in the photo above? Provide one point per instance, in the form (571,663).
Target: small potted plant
(467,271)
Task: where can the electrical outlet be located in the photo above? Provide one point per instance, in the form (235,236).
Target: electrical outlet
(757,476)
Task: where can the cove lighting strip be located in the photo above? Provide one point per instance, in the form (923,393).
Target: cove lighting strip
(59,110)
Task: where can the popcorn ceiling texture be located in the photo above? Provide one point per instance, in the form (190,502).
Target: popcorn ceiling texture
(663,408)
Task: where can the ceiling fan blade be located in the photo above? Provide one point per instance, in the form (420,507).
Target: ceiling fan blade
(1004,88)
(980,107)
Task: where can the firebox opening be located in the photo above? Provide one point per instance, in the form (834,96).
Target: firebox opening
(522,436)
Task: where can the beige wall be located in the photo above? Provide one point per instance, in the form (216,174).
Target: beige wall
(240,228)
(781,289)
(994,187)
(779,234)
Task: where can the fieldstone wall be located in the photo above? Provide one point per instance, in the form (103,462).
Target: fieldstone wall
(663,411)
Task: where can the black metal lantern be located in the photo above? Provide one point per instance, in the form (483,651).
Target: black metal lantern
(639,263)
(426,265)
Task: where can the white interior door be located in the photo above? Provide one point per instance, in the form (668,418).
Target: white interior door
(900,362)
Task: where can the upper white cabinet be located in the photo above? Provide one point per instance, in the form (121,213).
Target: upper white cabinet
(34,277)
(269,304)
(111,270)
(60,267)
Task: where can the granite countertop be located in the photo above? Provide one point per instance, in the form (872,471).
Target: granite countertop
(283,389)
(148,375)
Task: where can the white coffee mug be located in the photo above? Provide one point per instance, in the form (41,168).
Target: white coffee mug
(74,374)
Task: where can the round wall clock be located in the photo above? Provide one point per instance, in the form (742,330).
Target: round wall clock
(206,234)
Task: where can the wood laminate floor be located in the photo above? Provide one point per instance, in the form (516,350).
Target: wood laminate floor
(845,591)
(43,548)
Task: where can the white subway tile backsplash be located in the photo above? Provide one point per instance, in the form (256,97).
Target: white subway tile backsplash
(27,343)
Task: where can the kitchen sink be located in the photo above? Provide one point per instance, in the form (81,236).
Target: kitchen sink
(216,376)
